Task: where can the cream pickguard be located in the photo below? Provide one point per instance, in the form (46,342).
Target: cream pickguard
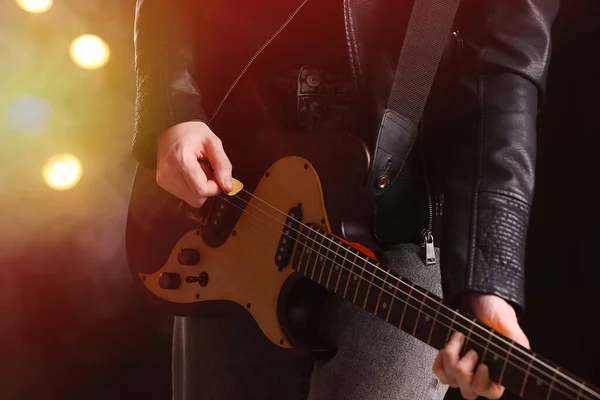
(243,269)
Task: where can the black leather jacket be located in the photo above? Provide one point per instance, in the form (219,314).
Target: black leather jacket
(480,122)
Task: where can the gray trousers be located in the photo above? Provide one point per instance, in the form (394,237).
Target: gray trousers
(228,358)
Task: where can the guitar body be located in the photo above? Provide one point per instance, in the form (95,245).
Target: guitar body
(235,251)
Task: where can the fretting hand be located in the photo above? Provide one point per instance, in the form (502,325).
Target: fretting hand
(459,372)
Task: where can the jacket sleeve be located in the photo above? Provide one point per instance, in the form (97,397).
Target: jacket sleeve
(166,93)
(489,184)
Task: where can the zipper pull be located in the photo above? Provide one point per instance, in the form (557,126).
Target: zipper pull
(428,249)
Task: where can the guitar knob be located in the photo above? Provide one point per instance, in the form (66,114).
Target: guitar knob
(169,280)
(188,256)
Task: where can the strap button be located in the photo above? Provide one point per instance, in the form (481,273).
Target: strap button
(313,80)
(383,181)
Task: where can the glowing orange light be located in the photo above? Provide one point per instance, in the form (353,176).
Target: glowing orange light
(62,171)
(35,6)
(89,52)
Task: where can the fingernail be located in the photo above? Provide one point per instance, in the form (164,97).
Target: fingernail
(472,355)
(229,183)
(485,372)
(457,337)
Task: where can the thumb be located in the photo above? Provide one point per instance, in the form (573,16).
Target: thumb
(222,168)
(498,314)
(508,325)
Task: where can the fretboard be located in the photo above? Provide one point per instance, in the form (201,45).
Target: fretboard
(382,292)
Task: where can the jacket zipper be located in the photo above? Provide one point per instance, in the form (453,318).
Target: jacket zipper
(427,245)
(251,60)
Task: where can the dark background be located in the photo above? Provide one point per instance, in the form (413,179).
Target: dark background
(71,327)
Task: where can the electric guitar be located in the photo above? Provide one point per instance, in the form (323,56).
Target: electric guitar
(296,211)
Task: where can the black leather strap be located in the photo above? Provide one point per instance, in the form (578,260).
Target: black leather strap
(426,37)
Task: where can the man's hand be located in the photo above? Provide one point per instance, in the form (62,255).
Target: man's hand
(459,372)
(182,168)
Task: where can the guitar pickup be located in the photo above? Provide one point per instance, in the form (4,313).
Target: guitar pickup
(288,237)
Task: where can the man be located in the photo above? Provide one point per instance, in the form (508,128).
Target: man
(478,150)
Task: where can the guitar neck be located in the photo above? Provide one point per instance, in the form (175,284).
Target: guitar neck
(382,292)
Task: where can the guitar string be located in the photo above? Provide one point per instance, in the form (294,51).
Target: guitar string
(555,370)
(533,376)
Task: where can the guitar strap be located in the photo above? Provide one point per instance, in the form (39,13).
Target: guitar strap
(424,42)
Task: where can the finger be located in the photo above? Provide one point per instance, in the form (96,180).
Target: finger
(182,191)
(196,178)
(482,385)
(451,356)
(438,368)
(208,171)
(215,154)
(173,182)
(190,196)
(464,374)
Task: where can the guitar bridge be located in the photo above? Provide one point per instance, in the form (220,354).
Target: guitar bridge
(289,234)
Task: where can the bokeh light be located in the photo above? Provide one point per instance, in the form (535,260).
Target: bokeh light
(62,171)
(89,52)
(35,6)
(28,113)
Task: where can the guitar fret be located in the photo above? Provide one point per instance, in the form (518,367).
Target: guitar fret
(363,290)
(360,279)
(303,252)
(386,297)
(369,289)
(423,315)
(437,311)
(470,329)
(299,253)
(312,275)
(442,328)
(450,327)
(380,293)
(536,386)
(567,386)
(526,377)
(350,277)
(406,305)
(387,318)
(419,313)
(335,266)
(355,280)
(324,259)
(377,288)
(308,252)
(494,366)
(487,345)
(580,390)
(332,260)
(504,365)
(551,387)
(338,267)
(313,256)
(509,364)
